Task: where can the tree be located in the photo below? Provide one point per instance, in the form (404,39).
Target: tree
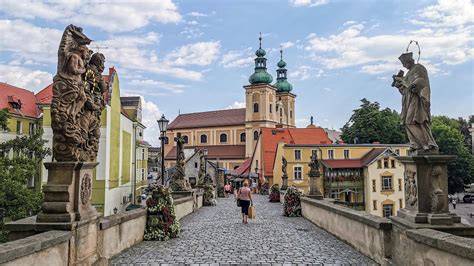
(369,124)
(20,159)
(4,115)
(451,141)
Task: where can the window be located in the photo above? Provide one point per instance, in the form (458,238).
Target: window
(387,210)
(185,139)
(297,173)
(386,183)
(143,173)
(255,135)
(397,152)
(32,129)
(143,154)
(379,164)
(374,187)
(291,113)
(346,154)
(374,203)
(385,163)
(242,137)
(18,127)
(203,138)
(195,165)
(330,154)
(281,111)
(271,108)
(400,201)
(255,107)
(223,138)
(297,154)
(392,163)
(167,140)
(399,184)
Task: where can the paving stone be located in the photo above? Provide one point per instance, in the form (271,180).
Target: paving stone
(216,235)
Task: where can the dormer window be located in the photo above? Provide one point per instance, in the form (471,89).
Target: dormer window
(16,104)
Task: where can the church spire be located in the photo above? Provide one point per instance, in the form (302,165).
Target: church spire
(282,84)
(260,75)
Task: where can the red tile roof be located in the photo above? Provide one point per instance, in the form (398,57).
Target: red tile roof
(243,170)
(354,163)
(218,118)
(215,152)
(272,136)
(28,100)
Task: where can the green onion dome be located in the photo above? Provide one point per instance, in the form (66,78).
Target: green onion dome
(260,75)
(282,85)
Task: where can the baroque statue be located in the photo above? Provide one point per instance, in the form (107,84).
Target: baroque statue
(416,114)
(314,164)
(284,164)
(77,98)
(178,180)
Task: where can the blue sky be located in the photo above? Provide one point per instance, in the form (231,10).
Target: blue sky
(191,56)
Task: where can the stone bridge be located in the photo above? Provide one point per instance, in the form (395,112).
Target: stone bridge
(216,235)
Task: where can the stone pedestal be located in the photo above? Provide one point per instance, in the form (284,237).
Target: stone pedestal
(68,193)
(426,190)
(314,192)
(284,178)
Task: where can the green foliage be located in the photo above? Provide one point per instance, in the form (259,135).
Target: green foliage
(4,115)
(371,124)
(20,160)
(451,141)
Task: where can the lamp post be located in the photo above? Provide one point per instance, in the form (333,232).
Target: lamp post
(163,125)
(205,151)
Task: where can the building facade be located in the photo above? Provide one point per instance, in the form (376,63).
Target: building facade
(362,176)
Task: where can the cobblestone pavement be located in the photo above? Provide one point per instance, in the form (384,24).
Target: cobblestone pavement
(214,235)
(464,210)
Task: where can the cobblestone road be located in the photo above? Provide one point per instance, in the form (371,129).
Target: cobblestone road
(214,235)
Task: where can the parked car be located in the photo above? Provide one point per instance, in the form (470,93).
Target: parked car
(468,198)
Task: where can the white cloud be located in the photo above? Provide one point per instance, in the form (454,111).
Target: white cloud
(302,122)
(237,59)
(309,3)
(349,22)
(33,80)
(305,72)
(447,13)
(156,84)
(201,54)
(377,54)
(198,14)
(28,42)
(192,32)
(236,105)
(121,16)
(327,89)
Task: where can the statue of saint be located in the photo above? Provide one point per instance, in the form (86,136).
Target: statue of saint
(314,164)
(179,182)
(416,114)
(284,165)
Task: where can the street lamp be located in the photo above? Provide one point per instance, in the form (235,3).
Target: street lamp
(205,152)
(163,124)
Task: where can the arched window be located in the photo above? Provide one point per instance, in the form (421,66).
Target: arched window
(271,108)
(203,138)
(185,139)
(242,137)
(166,141)
(255,107)
(255,135)
(223,138)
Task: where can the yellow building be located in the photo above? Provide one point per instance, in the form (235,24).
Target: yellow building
(363,176)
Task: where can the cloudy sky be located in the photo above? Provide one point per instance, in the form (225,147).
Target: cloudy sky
(189,56)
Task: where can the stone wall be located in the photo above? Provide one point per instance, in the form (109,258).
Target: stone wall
(387,243)
(93,242)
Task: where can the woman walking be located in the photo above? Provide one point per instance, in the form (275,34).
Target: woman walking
(245,196)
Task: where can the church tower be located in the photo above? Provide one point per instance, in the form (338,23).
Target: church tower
(260,102)
(285,104)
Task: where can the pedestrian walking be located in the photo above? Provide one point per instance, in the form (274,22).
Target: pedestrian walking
(245,196)
(454,203)
(227,189)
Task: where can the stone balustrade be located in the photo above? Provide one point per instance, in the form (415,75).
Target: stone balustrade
(387,242)
(112,235)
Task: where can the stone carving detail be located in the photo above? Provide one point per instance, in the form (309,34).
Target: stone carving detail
(416,114)
(314,164)
(202,168)
(437,195)
(179,182)
(283,166)
(86,187)
(411,190)
(77,98)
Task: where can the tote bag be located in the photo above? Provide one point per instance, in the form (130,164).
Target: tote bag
(252,212)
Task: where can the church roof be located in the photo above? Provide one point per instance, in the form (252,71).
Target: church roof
(228,117)
(354,163)
(272,136)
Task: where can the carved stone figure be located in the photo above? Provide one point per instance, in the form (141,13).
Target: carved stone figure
(411,190)
(77,99)
(415,115)
(437,196)
(202,168)
(314,165)
(284,165)
(178,181)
